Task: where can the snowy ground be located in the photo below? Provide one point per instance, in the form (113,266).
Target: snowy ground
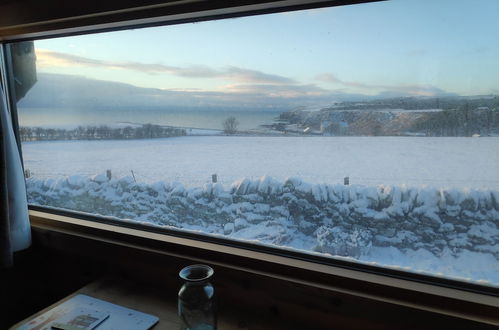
(457,163)
(437,162)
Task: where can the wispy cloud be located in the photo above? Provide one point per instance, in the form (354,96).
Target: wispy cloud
(411,89)
(46,58)
(331,78)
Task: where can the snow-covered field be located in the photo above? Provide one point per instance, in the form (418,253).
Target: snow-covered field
(437,213)
(437,162)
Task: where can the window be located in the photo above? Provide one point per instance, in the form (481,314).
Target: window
(365,133)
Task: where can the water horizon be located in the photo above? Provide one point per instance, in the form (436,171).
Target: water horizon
(69,118)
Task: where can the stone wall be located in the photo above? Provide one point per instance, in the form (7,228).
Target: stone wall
(342,220)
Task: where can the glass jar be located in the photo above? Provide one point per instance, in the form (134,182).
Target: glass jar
(196,299)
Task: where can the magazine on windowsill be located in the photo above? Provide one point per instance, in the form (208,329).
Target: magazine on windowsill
(83,312)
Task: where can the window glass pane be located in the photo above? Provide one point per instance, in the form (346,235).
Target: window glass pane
(367,132)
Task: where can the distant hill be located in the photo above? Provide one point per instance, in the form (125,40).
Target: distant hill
(70,91)
(449,116)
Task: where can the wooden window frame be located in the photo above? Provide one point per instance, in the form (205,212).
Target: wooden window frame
(424,292)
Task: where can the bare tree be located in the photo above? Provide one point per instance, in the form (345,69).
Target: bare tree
(230,125)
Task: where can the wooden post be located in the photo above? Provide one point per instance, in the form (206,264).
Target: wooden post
(214,178)
(108,174)
(346,181)
(133,176)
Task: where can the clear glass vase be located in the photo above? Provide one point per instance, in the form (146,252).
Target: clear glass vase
(196,299)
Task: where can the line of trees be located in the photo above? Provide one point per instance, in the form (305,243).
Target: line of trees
(102,132)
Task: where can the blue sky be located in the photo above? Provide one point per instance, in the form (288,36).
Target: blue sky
(403,47)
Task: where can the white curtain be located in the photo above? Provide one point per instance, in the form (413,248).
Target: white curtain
(15,221)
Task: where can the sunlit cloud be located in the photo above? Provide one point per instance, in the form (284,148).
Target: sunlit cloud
(254,76)
(331,78)
(47,58)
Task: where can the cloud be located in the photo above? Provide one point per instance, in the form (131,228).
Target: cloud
(253,76)
(46,58)
(241,80)
(331,78)
(400,90)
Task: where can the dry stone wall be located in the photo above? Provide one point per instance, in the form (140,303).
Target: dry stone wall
(342,220)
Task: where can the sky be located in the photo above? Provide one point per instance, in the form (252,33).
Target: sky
(393,48)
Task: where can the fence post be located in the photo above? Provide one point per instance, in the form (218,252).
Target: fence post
(214,178)
(346,181)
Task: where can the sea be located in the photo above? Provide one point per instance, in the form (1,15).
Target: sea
(69,118)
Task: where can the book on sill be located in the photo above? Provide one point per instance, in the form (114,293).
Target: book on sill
(83,312)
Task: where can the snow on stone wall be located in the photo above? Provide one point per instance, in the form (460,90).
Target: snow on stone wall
(342,220)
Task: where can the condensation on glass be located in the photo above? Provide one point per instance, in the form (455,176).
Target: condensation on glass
(368,132)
